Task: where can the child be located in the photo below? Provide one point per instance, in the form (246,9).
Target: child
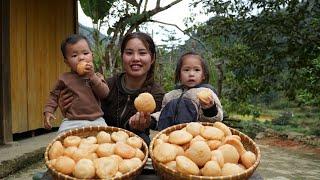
(88,88)
(182,105)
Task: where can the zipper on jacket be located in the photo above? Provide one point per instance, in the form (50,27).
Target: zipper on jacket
(125,107)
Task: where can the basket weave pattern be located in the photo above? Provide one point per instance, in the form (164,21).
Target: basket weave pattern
(166,173)
(93,131)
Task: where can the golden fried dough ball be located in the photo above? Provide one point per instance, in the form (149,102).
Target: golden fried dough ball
(205,95)
(230,153)
(56,150)
(145,103)
(211,133)
(135,142)
(89,147)
(187,166)
(84,169)
(237,144)
(128,165)
(65,165)
(231,169)
(248,158)
(119,136)
(197,138)
(180,137)
(211,168)
(194,128)
(71,141)
(69,151)
(124,150)
(139,154)
(214,144)
(172,165)
(164,137)
(103,137)
(106,167)
(223,128)
(165,152)
(79,154)
(81,67)
(105,149)
(199,152)
(218,156)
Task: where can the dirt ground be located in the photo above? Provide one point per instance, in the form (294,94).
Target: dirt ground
(289,144)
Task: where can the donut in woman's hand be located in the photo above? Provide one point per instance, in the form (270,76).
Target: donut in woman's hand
(145,103)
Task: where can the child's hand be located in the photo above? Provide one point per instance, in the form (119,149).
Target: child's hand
(89,69)
(47,117)
(207,103)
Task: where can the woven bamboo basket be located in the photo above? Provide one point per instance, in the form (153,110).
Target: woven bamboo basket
(92,131)
(166,173)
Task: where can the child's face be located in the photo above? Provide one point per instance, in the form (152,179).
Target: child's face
(191,73)
(136,58)
(77,52)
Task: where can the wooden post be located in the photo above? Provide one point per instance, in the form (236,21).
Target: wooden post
(5,104)
(220,78)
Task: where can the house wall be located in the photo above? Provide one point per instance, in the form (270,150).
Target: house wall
(37,28)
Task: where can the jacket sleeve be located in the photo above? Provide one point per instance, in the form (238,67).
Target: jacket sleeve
(52,102)
(99,86)
(219,115)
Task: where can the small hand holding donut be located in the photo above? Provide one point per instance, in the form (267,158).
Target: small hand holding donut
(205,99)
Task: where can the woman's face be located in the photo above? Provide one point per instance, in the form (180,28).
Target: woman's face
(136,58)
(191,73)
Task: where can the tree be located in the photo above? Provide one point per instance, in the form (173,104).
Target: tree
(123,17)
(278,41)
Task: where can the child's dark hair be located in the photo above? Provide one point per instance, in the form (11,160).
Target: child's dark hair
(148,42)
(72,39)
(203,65)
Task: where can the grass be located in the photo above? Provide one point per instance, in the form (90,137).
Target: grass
(305,120)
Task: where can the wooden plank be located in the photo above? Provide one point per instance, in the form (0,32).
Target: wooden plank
(48,23)
(18,65)
(5,107)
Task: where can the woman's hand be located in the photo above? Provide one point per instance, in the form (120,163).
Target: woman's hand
(47,118)
(140,121)
(65,100)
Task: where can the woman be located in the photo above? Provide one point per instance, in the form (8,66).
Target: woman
(138,54)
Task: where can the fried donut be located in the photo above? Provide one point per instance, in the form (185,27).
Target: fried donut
(194,128)
(199,152)
(145,103)
(248,158)
(180,137)
(223,128)
(71,141)
(84,169)
(186,165)
(134,142)
(56,150)
(65,165)
(211,168)
(124,150)
(103,137)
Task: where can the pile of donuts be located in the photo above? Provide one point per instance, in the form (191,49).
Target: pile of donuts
(203,150)
(106,155)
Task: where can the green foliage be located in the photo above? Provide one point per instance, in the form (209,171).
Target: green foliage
(269,47)
(96,9)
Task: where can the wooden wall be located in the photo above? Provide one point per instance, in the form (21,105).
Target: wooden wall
(36,30)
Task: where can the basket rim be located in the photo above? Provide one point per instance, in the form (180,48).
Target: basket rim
(95,128)
(180,126)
